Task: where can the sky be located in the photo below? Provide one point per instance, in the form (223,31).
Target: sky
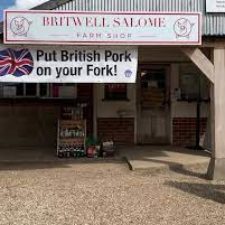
(18,4)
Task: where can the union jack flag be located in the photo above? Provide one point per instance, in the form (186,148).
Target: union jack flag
(15,62)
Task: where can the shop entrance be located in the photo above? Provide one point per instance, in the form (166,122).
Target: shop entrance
(153,105)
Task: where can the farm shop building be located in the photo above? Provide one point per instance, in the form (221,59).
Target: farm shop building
(177,95)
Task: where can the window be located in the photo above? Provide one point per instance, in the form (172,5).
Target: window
(153,87)
(35,90)
(44,90)
(115,92)
(31,90)
(193,84)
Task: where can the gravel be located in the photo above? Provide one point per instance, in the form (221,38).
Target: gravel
(107,193)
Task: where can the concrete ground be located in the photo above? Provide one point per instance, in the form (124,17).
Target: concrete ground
(152,158)
(162,157)
(107,193)
(27,154)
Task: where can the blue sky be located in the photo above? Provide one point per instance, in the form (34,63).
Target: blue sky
(4,4)
(18,4)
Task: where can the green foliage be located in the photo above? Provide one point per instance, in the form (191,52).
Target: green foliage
(91,141)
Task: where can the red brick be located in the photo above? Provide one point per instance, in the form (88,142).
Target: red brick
(184,130)
(121,130)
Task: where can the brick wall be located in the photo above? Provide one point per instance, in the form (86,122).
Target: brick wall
(184,130)
(121,130)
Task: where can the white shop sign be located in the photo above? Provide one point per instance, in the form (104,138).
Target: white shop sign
(215,6)
(68,64)
(102,28)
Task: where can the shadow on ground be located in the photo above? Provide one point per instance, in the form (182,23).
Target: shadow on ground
(181,169)
(5,166)
(31,158)
(158,150)
(176,159)
(187,172)
(27,158)
(207,191)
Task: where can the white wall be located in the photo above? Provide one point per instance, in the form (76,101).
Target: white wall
(111,109)
(183,108)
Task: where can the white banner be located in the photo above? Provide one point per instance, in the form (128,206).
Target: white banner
(215,5)
(102,28)
(68,64)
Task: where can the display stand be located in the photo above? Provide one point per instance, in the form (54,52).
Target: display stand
(71,138)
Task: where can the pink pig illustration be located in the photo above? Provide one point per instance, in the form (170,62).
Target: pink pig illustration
(20,26)
(183,27)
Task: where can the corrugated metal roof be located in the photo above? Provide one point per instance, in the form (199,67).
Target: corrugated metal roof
(213,23)
(52,4)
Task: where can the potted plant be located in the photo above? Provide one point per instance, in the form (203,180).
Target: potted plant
(90,146)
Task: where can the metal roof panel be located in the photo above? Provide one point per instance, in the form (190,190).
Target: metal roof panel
(213,23)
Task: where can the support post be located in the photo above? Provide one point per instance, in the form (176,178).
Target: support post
(216,168)
(201,61)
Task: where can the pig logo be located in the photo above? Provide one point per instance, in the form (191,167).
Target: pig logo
(20,26)
(128,73)
(183,28)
